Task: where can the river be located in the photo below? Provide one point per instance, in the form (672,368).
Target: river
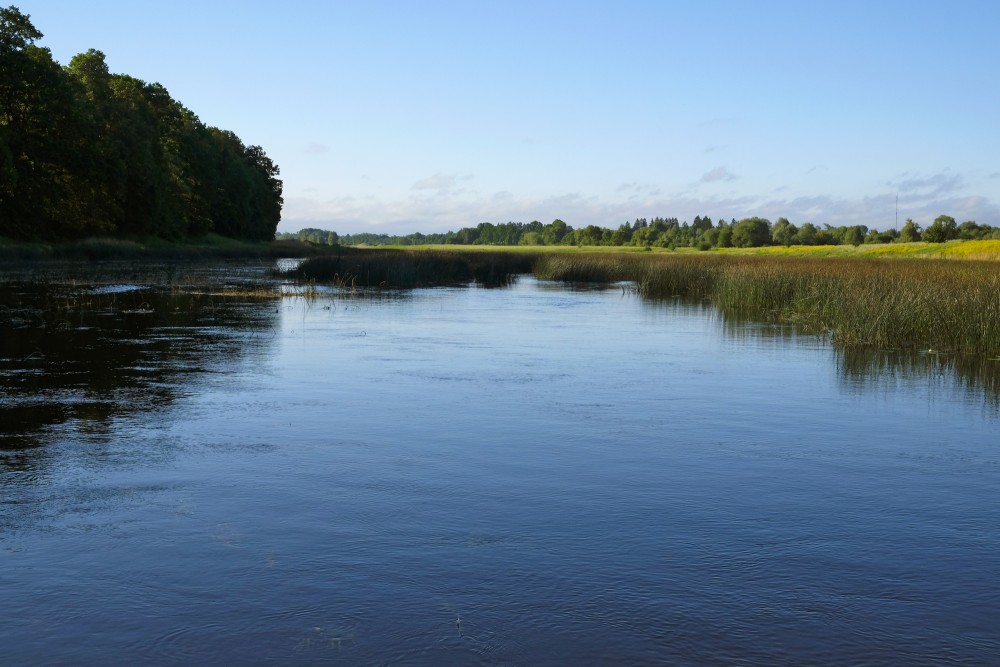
(534,475)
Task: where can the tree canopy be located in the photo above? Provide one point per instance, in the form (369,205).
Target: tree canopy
(87,152)
(666,232)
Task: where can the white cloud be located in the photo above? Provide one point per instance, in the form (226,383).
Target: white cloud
(316,148)
(928,186)
(636,189)
(438,181)
(442,210)
(718,174)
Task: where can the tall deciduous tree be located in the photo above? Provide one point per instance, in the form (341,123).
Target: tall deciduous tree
(752,233)
(944,228)
(84,151)
(910,232)
(783,232)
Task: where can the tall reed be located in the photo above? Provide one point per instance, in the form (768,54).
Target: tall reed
(941,305)
(413,268)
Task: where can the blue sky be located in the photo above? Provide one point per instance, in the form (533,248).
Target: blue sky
(427,116)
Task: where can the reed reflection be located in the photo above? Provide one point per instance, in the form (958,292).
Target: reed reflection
(866,370)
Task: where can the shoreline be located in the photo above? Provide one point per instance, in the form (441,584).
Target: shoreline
(97,249)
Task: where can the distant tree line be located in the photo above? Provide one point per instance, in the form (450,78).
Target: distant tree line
(85,152)
(702,233)
(317,236)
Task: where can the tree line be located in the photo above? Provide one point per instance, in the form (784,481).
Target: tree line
(702,233)
(85,152)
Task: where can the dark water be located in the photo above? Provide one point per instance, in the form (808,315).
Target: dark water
(526,476)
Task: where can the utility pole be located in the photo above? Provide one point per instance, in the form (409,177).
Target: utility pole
(896,226)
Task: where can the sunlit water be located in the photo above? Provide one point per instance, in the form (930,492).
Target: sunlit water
(523,476)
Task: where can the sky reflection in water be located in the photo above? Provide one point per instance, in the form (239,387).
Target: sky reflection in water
(534,475)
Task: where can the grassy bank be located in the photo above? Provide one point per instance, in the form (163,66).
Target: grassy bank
(211,246)
(941,305)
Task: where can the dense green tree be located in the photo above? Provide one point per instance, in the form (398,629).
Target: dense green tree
(84,151)
(875,236)
(725,239)
(622,235)
(555,231)
(783,232)
(709,239)
(16,31)
(589,235)
(532,238)
(852,235)
(910,232)
(311,235)
(827,235)
(944,228)
(47,187)
(700,225)
(752,233)
(660,232)
(971,231)
(806,234)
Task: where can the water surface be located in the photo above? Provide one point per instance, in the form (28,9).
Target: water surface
(525,476)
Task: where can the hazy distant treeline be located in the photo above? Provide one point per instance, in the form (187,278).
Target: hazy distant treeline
(668,232)
(85,152)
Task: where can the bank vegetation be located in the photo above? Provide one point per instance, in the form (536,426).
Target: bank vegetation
(85,152)
(938,305)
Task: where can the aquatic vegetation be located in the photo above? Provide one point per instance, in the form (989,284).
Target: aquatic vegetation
(408,268)
(859,299)
(940,305)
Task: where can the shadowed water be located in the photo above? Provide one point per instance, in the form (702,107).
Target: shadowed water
(525,476)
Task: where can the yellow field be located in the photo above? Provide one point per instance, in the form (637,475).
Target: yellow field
(975,250)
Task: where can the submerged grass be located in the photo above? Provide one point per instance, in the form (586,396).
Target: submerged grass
(940,305)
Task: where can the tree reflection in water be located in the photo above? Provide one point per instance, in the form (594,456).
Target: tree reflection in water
(76,355)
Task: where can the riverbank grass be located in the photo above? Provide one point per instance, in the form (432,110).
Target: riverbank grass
(938,305)
(211,246)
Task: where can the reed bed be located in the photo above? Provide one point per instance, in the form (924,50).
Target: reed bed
(406,269)
(941,305)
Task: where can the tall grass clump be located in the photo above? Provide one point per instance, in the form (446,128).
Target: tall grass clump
(587,268)
(888,304)
(654,275)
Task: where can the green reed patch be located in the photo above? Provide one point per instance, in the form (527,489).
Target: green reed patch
(940,305)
